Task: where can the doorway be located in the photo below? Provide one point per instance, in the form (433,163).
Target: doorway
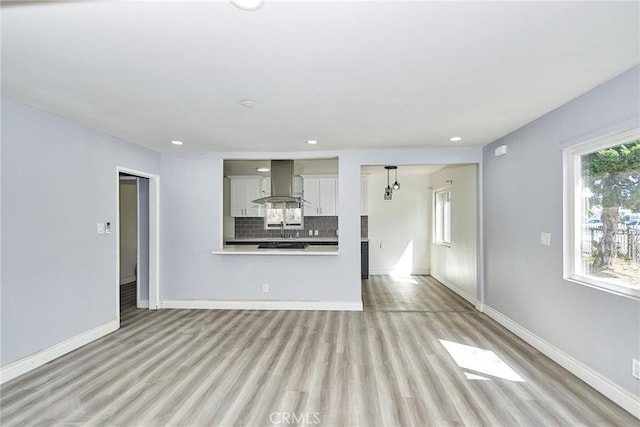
(132,286)
(137,231)
(411,267)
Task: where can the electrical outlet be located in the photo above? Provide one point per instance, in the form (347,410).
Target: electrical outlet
(265,287)
(635,368)
(310,233)
(315,232)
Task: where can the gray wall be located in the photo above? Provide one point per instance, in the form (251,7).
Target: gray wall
(523,197)
(59,179)
(192,218)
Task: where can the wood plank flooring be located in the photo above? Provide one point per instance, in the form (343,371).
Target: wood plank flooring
(381,367)
(415,293)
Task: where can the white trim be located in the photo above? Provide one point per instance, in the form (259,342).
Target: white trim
(617,394)
(262,305)
(138,240)
(455,288)
(142,303)
(480,243)
(154,236)
(128,279)
(28,363)
(572,209)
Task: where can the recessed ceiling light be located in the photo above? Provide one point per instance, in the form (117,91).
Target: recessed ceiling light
(248,5)
(312,142)
(263,169)
(455,138)
(177,142)
(249,103)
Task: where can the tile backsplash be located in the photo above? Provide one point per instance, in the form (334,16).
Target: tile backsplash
(253,228)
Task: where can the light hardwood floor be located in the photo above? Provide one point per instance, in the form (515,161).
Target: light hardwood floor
(383,367)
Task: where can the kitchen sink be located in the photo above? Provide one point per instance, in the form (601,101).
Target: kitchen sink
(283,245)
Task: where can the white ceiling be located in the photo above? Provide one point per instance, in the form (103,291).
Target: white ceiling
(300,166)
(349,74)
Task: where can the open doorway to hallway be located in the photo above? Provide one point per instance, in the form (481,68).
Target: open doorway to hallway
(133,221)
(422,232)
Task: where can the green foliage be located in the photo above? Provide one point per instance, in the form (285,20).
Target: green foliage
(613,175)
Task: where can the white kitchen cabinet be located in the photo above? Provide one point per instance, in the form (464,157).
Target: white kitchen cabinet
(364,195)
(266,187)
(321,193)
(245,189)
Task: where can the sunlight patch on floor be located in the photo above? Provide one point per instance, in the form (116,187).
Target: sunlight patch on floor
(404,265)
(481,361)
(404,279)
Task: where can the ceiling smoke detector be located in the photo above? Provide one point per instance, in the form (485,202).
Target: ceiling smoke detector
(249,103)
(248,5)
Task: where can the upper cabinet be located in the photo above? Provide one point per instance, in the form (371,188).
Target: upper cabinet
(245,189)
(364,195)
(321,195)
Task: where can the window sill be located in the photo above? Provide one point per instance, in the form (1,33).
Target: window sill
(611,288)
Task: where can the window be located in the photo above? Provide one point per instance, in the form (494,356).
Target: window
(603,188)
(442,217)
(283,216)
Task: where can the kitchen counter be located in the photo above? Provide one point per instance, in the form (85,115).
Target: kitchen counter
(310,240)
(246,249)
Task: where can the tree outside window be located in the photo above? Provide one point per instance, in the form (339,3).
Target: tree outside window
(607,199)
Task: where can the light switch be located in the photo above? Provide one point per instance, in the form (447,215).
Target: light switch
(545,238)
(101,228)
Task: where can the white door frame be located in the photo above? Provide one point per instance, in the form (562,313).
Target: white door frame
(154,236)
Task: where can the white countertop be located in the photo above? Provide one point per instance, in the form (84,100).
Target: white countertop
(284,239)
(301,239)
(253,250)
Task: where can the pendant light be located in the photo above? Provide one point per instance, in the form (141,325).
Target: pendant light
(388,192)
(396,185)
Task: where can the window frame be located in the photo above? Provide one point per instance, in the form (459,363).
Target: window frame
(446,223)
(572,222)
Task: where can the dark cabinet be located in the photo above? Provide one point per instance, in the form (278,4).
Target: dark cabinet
(364,260)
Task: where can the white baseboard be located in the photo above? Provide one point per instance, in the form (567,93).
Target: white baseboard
(143,303)
(128,279)
(471,298)
(41,357)
(389,272)
(263,305)
(596,380)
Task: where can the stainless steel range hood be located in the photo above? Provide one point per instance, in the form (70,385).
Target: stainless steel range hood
(281,184)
